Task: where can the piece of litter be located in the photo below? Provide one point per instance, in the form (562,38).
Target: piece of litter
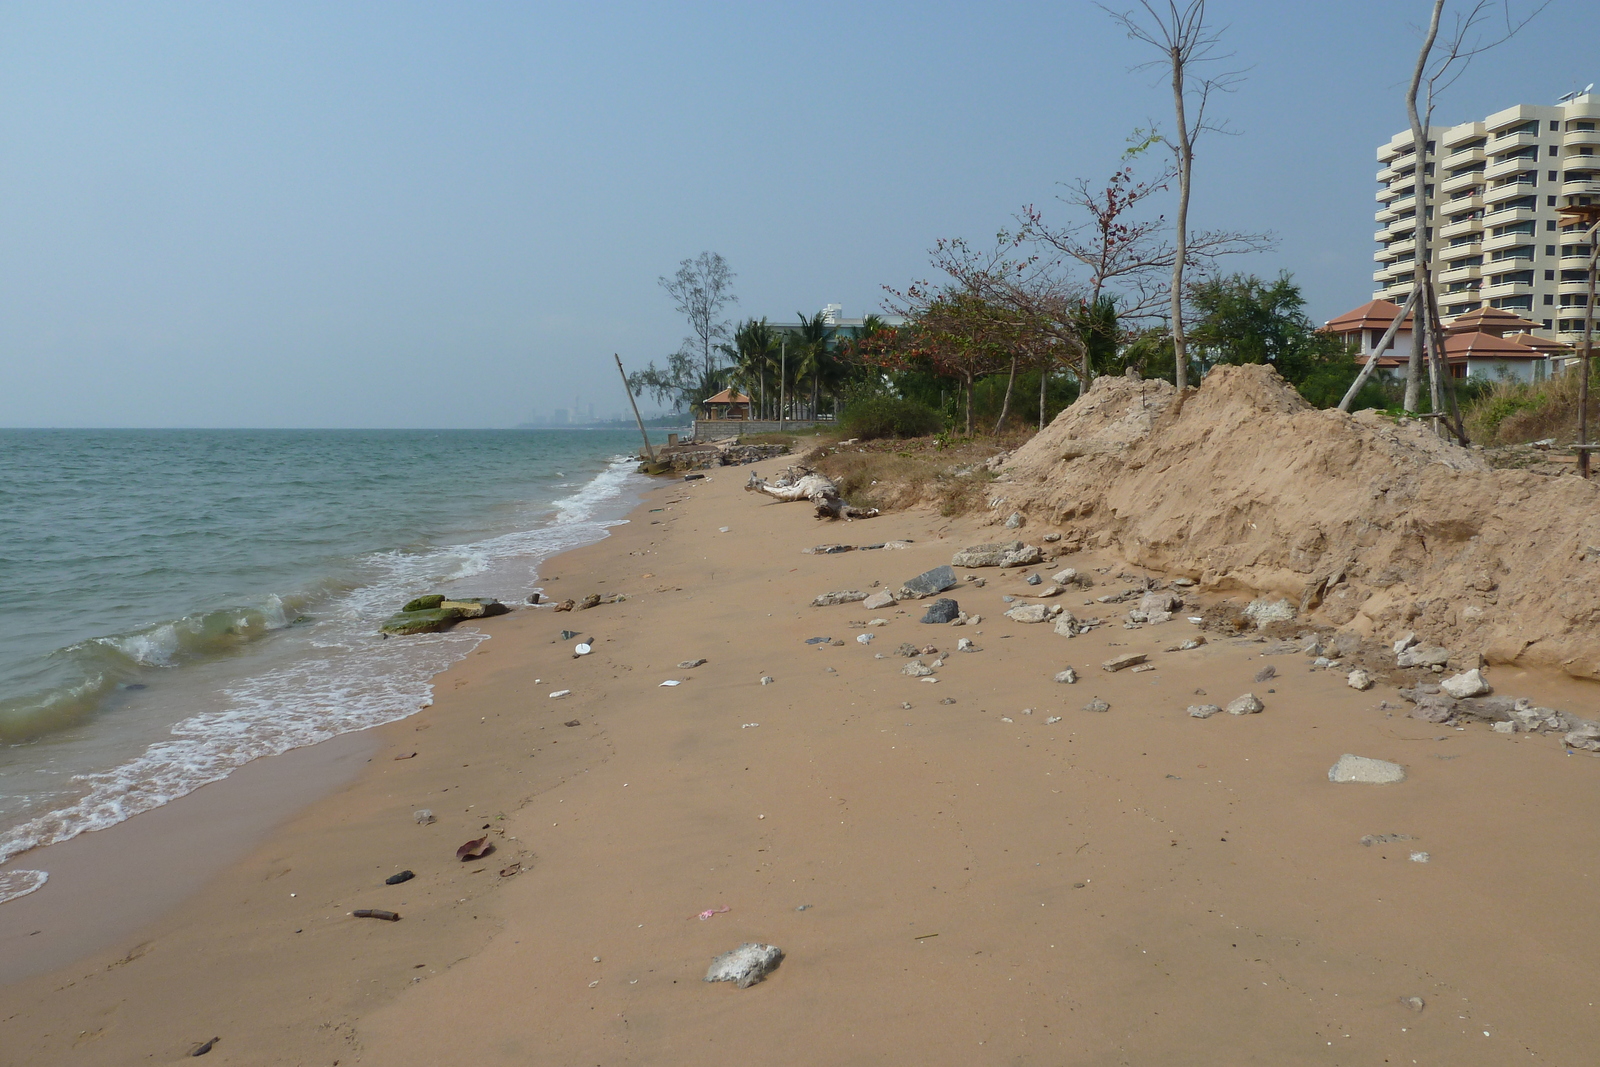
(582,649)
(748,725)
(723,529)
(1197,620)
(745,965)
(803,907)
(709,912)
(559,693)
(594,983)
(669,682)
(423,816)
(1052,719)
(1420,857)
(865,639)
(767,679)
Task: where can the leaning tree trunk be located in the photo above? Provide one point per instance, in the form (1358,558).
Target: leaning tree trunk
(1383,346)
(1005,405)
(1180,348)
(1419,188)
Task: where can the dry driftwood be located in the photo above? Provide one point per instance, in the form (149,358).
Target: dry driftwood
(804,483)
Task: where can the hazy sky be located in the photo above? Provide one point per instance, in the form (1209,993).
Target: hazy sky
(429,214)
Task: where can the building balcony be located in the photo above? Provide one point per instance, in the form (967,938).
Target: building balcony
(1464,201)
(1507,240)
(1459,229)
(1505,167)
(1505,213)
(1572,288)
(1495,292)
(1398,226)
(1574,138)
(1502,142)
(1453,275)
(1581,187)
(1406,248)
(1458,182)
(1499,194)
(1463,157)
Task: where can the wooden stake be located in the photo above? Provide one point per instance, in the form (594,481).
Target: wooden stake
(631,403)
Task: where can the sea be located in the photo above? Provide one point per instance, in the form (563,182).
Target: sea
(177,603)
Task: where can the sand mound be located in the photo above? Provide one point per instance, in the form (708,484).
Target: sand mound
(1380,527)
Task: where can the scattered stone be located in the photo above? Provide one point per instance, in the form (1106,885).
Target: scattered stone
(878,601)
(948,700)
(1424,656)
(818,640)
(1127,659)
(1203,711)
(828,550)
(1141,668)
(1007,718)
(590,601)
(1066,624)
(928,583)
(1434,707)
(906,649)
(1468,684)
(1404,643)
(1014,520)
(1585,737)
(1067,677)
(422,621)
(1248,704)
(572,722)
(1185,646)
(1052,720)
(929,650)
(865,639)
(565,605)
(1359,679)
(842,596)
(965,645)
(1051,538)
(916,669)
(1029,613)
(1033,579)
(423,816)
(1507,727)
(1365,770)
(1097,705)
(745,965)
(1157,602)
(1262,611)
(1383,839)
(475,607)
(1065,577)
(1416,1004)
(424,603)
(836,643)
(877,622)
(974,620)
(690,664)
(941,611)
(1267,673)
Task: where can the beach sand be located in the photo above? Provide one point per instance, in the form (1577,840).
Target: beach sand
(1127,887)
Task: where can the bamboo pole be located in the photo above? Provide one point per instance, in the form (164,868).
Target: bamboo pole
(1372,360)
(633,404)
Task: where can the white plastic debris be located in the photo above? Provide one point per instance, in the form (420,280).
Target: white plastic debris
(669,682)
(865,639)
(559,693)
(582,649)
(423,816)
(745,965)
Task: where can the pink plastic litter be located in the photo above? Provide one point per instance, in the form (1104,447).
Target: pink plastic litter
(704,915)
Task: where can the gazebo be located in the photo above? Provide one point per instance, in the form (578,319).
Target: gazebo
(728,404)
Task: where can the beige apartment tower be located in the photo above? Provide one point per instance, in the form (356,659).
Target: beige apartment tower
(1495,238)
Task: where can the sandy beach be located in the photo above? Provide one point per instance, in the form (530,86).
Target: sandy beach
(953,876)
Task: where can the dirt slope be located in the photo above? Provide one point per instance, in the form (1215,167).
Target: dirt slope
(1366,524)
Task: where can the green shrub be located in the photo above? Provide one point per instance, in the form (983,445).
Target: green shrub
(887,417)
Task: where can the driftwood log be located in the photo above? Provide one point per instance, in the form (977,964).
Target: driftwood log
(804,483)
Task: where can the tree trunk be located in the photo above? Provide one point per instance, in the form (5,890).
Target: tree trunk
(1044,380)
(968,383)
(1419,187)
(1005,405)
(1180,350)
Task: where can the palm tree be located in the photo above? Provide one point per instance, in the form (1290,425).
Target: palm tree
(815,354)
(754,352)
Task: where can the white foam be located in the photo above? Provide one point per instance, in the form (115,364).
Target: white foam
(14,884)
(347,678)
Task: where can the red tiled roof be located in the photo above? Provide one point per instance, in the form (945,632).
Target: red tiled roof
(1490,320)
(1541,344)
(1480,345)
(1377,314)
(727,396)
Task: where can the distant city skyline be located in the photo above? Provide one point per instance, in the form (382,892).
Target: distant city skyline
(431,215)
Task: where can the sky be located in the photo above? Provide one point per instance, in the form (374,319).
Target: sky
(451,215)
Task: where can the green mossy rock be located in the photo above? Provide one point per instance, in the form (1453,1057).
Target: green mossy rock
(477,607)
(424,603)
(426,621)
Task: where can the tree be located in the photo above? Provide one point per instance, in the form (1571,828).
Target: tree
(1242,319)
(755,354)
(701,289)
(1185,41)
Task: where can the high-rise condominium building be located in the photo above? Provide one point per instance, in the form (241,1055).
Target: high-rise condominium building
(1494,189)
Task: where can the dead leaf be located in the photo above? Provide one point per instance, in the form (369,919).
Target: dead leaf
(474,849)
(507,872)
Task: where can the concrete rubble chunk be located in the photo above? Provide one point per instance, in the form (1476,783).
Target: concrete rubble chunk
(690,664)
(1248,704)
(1029,613)
(928,583)
(1359,679)
(1203,711)
(1404,643)
(878,601)
(942,611)
(1065,577)
(1127,659)
(842,596)
(984,555)
(1263,611)
(1067,677)
(1364,769)
(1097,705)
(1025,556)
(1467,684)
(1423,656)
(916,669)
(1163,600)
(1267,673)
(1434,707)
(1066,624)
(1014,520)
(1584,737)
(745,965)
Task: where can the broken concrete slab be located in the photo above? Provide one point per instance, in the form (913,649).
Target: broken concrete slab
(1364,769)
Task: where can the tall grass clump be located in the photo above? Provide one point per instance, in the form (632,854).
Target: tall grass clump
(1513,412)
(881,416)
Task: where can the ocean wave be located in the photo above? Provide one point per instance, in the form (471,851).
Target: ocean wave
(345,678)
(14,884)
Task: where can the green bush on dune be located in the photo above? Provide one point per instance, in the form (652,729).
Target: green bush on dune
(883,416)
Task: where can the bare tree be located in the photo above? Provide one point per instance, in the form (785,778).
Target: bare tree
(1437,71)
(1185,41)
(701,288)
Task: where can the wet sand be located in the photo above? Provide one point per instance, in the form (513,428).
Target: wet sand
(1133,886)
